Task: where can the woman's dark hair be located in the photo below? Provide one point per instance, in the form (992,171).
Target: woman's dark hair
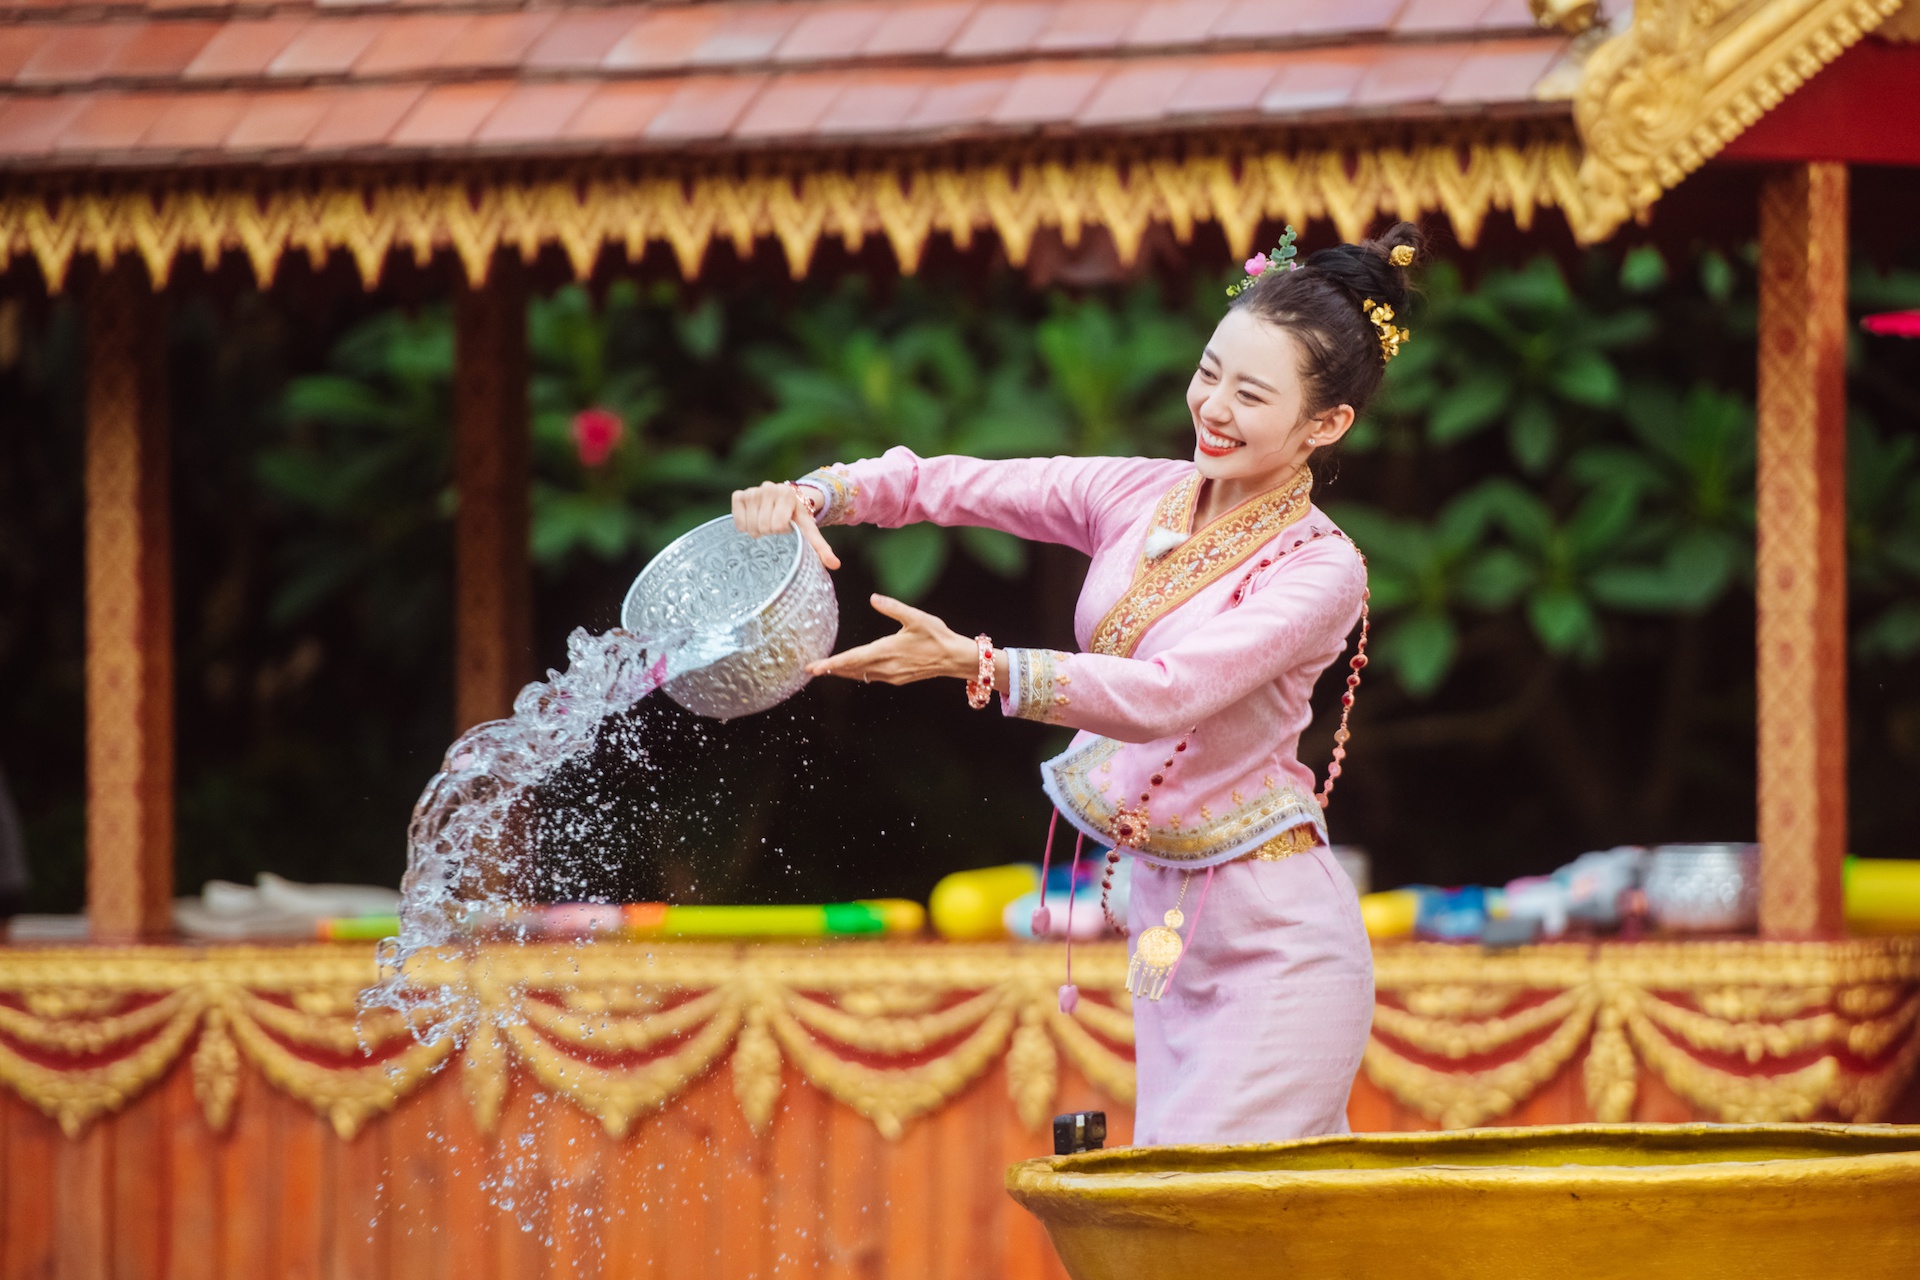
(1319,302)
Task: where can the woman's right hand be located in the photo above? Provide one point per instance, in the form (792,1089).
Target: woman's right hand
(775,507)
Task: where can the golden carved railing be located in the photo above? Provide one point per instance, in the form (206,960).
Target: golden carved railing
(1741,1030)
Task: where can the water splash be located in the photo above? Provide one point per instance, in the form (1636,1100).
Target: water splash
(728,624)
(469,849)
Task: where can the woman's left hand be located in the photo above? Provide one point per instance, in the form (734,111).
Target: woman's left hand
(922,649)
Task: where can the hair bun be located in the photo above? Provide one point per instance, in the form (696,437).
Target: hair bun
(1401,244)
(1334,306)
(1377,268)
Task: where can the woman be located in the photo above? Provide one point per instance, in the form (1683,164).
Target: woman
(1217,595)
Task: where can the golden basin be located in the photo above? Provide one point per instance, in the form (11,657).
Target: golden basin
(1692,1202)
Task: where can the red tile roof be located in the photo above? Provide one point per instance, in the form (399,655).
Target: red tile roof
(151,82)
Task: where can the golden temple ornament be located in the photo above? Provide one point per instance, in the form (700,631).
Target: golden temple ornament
(1402,255)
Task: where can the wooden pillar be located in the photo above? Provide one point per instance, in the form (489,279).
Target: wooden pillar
(493,640)
(129,610)
(1801,568)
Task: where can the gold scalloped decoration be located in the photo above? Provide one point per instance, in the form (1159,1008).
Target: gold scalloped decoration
(1743,1030)
(1465,173)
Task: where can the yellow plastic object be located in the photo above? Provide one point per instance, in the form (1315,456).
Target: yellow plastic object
(1883,895)
(1390,914)
(968,906)
(1579,1202)
(901,917)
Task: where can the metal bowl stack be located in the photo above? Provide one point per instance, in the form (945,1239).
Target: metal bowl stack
(1704,888)
(739,618)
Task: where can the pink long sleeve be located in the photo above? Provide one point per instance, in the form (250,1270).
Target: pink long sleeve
(1301,613)
(1072,501)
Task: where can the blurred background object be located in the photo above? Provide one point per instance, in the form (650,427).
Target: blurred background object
(1704,888)
(13,854)
(970,906)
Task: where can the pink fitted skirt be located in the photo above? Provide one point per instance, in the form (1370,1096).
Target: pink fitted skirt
(1260,1035)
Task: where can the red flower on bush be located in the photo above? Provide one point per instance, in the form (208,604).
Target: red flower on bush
(597,433)
(1897,324)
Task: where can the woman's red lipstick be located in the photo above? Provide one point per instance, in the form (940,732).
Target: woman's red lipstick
(1213,451)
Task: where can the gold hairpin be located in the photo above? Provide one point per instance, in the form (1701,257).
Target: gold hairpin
(1402,255)
(1390,337)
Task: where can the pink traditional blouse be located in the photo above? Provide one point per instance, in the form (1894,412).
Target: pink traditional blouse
(1200,647)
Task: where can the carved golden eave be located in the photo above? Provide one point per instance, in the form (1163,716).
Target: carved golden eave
(1904,26)
(1686,78)
(1650,105)
(1462,170)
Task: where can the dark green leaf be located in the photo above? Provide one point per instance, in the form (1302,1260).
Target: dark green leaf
(1468,406)
(1564,623)
(1419,650)
(907,561)
(1643,270)
(703,329)
(1001,552)
(1894,635)
(1495,580)
(1716,276)
(1588,378)
(1532,435)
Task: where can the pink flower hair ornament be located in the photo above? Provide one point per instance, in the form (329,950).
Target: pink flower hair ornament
(1281,259)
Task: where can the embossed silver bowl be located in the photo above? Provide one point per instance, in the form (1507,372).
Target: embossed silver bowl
(739,618)
(1704,888)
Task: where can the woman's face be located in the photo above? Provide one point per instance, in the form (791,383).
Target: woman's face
(1248,405)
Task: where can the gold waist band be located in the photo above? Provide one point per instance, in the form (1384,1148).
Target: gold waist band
(1289,842)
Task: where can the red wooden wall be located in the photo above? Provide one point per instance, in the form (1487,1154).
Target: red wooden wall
(692,1192)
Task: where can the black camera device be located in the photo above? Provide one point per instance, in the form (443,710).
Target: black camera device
(1081,1131)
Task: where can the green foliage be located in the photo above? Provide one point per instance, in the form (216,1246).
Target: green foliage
(1883,537)
(851,380)
(366,452)
(1120,373)
(1618,484)
(1522,351)
(1692,464)
(847,381)
(648,491)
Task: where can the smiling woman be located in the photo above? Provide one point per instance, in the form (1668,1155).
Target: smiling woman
(1217,595)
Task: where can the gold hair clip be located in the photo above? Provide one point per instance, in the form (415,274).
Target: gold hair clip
(1390,337)
(1402,255)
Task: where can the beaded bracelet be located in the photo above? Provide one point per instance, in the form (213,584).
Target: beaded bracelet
(980,688)
(808,496)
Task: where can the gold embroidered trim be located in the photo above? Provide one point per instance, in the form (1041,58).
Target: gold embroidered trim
(1163,585)
(1283,846)
(839,492)
(1039,684)
(590,207)
(1074,788)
